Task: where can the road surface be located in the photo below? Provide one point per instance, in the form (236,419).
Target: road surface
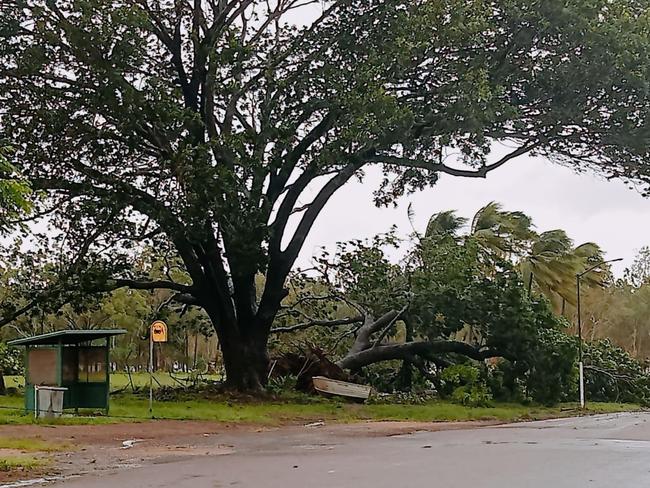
(610,451)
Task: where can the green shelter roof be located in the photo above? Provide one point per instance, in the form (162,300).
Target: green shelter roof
(70,336)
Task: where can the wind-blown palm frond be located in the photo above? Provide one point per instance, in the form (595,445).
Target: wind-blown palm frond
(502,232)
(590,254)
(445,223)
(486,218)
(545,263)
(551,243)
(553,263)
(548,261)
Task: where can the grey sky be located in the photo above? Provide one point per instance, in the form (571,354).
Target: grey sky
(589,208)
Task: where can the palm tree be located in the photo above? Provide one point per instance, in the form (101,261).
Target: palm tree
(444,223)
(589,254)
(504,233)
(545,262)
(552,263)
(548,261)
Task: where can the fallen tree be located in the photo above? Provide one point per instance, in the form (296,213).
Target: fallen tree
(449,300)
(368,347)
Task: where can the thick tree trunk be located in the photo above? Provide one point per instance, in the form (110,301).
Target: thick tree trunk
(244,351)
(246,363)
(3,388)
(242,324)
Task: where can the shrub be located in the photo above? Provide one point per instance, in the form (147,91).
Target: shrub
(282,384)
(11,360)
(552,376)
(462,383)
(545,374)
(612,374)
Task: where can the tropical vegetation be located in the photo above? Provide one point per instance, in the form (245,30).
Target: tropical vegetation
(216,133)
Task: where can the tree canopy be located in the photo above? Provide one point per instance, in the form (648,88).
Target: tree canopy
(14,194)
(219,130)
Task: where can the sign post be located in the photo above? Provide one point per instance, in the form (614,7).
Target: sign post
(157,333)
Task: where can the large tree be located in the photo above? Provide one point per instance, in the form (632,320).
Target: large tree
(14,193)
(217,129)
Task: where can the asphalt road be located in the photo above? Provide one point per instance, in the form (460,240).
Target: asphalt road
(605,451)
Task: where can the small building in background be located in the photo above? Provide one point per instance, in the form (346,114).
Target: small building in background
(72,364)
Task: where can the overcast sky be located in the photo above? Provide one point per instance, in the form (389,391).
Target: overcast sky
(586,206)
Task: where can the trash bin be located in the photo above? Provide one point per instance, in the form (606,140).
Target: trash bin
(49,401)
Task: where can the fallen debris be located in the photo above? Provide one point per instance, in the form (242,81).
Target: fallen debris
(128,444)
(320,423)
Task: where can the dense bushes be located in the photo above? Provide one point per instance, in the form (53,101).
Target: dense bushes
(549,374)
(11,360)
(612,374)
(545,374)
(463,384)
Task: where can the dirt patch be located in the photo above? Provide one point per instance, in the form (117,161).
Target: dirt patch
(186,432)
(7,477)
(109,434)
(4,452)
(110,446)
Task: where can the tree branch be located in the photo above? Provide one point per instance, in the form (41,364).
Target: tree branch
(185,298)
(14,315)
(407,350)
(147,285)
(363,340)
(481,172)
(390,324)
(318,323)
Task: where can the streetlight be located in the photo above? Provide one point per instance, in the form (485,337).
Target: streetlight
(580,364)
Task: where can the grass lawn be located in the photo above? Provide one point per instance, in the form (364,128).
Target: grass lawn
(10,463)
(127,407)
(31,445)
(119,381)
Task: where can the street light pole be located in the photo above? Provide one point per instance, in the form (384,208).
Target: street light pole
(581,369)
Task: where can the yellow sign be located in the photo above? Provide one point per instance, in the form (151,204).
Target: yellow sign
(159,331)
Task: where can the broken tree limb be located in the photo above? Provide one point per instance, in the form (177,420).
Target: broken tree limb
(388,326)
(369,327)
(425,349)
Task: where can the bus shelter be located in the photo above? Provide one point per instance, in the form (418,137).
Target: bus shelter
(75,360)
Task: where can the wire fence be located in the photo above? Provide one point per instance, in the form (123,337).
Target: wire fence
(68,415)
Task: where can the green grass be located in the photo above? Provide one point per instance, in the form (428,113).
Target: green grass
(279,412)
(127,407)
(12,411)
(31,445)
(120,381)
(14,381)
(10,463)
